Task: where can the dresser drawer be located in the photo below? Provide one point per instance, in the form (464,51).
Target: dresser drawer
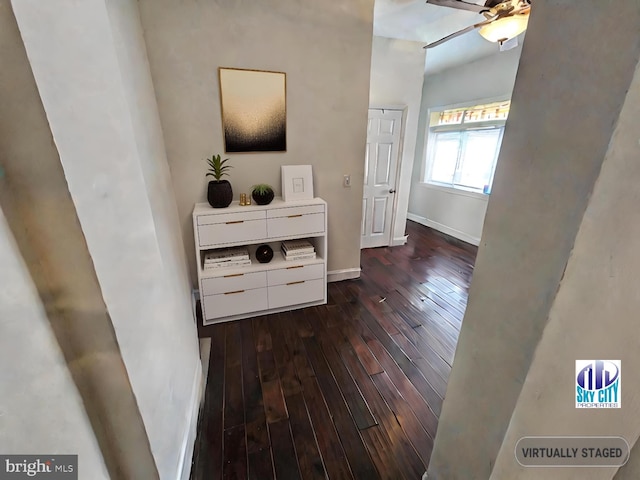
(233,231)
(295,211)
(295,274)
(231,217)
(235,303)
(303,291)
(232,283)
(296,224)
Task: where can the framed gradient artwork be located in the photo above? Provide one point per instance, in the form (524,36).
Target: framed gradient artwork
(254,110)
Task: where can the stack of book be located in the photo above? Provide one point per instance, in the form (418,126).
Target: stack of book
(227,257)
(298,250)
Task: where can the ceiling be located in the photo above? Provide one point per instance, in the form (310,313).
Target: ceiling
(416,20)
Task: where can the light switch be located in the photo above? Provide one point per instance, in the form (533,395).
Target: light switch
(346,181)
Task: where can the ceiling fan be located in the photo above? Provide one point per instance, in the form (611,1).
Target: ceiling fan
(504,19)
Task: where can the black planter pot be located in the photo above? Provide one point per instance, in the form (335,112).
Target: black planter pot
(219,193)
(262,199)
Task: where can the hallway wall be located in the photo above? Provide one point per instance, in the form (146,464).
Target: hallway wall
(96,90)
(561,123)
(30,357)
(41,216)
(594,314)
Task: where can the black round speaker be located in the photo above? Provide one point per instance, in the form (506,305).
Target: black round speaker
(264,253)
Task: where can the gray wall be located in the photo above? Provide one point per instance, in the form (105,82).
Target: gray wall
(457,213)
(560,126)
(325,50)
(95,86)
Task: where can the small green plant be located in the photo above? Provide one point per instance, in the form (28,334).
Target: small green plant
(217,167)
(261,189)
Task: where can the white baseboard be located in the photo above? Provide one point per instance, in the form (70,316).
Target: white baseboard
(189,440)
(465,237)
(205,354)
(195,296)
(344,274)
(396,242)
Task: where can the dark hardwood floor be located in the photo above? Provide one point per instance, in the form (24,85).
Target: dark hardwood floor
(351,389)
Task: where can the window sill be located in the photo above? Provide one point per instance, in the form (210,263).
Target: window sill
(463,192)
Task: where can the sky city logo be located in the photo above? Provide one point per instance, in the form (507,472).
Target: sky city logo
(598,384)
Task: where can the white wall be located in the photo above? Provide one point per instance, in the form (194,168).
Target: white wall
(96,90)
(139,90)
(36,202)
(397,73)
(537,281)
(183,376)
(41,411)
(594,314)
(460,214)
(325,50)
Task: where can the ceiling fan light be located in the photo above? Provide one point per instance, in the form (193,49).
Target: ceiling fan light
(505,28)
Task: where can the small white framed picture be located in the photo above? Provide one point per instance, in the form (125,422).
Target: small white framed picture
(297,182)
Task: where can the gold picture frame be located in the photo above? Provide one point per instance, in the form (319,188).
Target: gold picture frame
(254,110)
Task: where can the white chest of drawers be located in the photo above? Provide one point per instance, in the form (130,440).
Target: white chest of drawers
(239,292)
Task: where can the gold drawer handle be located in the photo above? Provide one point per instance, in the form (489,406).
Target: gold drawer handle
(295,283)
(236,221)
(234,275)
(231,293)
(297,266)
(294,216)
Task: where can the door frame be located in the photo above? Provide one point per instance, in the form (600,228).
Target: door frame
(403,122)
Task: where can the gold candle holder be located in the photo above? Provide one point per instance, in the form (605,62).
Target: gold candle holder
(243,199)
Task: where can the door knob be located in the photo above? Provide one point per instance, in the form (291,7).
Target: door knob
(393,190)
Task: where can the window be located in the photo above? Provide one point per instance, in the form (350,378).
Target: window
(463,146)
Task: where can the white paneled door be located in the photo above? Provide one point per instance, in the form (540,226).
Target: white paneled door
(381,165)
